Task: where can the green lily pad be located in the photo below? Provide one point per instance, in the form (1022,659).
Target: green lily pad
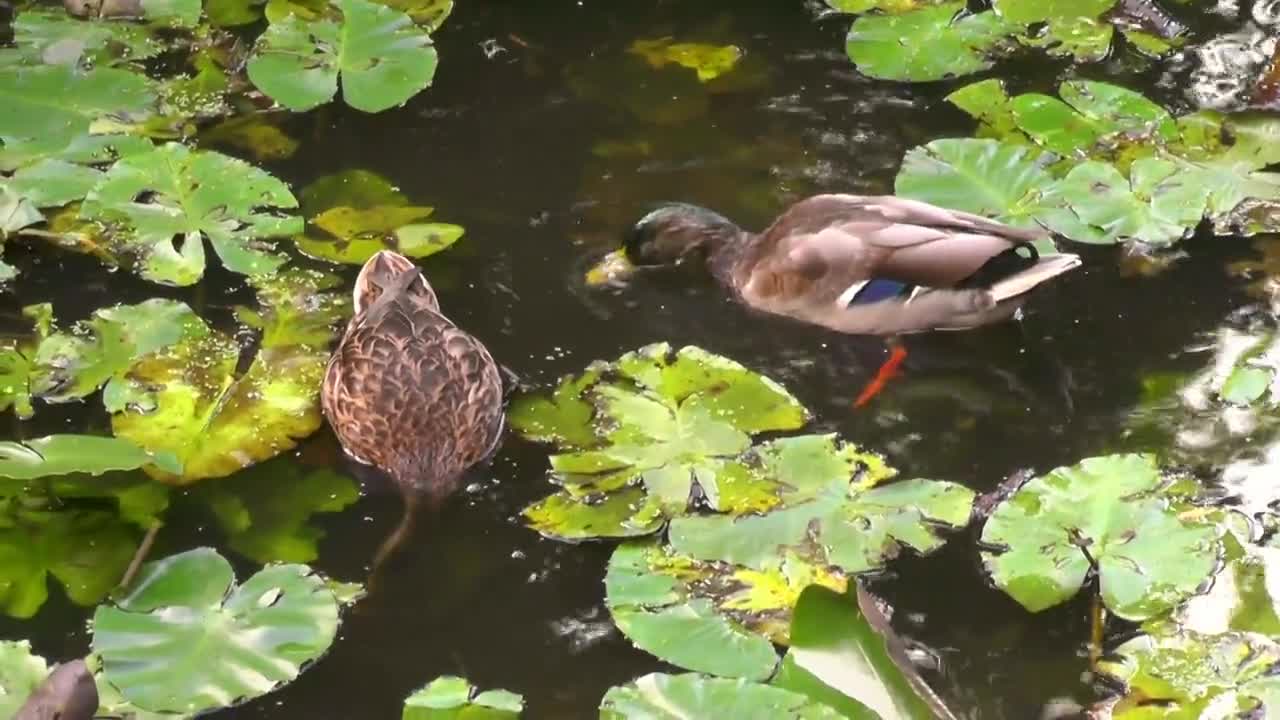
(65,454)
(360,189)
(53,37)
(81,149)
(658,696)
(835,645)
(426,14)
(707,61)
(150,199)
(266,511)
(453,698)
(1180,674)
(831,512)
(1245,595)
(21,672)
(383,60)
(186,639)
(233,13)
(672,422)
(217,421)
(889,7)
(86,551)
(57,101)
(930,43)
(1112,515)
(1025,12)
(1159,203)
(53,183)
(710,617)
(98,352)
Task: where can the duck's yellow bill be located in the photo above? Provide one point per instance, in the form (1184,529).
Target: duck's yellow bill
(612,269)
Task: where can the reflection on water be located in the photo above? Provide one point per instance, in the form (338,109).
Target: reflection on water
(545,137)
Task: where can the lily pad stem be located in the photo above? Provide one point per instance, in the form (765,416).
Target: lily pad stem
(1097,621)
(143,550)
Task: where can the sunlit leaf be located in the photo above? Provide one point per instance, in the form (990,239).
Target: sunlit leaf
(674,697)
(926,44)
(1112,515)
(453,698)
(382,59)
(21,672)
(1181,674)
(172,194)
(426,14)
(836,517)
(64,454)
(834,643)
(217,421)
(57,101)
(55,38)
(185,638)
(710,617)
(18,358)
(81,149)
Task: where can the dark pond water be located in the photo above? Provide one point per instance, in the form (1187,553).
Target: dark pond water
(534,150)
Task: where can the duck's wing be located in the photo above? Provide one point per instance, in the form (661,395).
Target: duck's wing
(850,262)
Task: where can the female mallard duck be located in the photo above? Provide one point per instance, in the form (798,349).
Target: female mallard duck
(409,392)
(859,264)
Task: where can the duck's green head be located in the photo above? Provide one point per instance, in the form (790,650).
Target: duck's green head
(671,232)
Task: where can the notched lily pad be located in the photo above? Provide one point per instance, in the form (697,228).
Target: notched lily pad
(832,511)
(354,214)
(710,617)
(1115,516)
(658,696)
(383,59)
(186,639)
(453,698)
(672,422)
(930,43)
(158,208)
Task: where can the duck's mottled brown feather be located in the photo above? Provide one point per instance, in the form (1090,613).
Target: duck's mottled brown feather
(407,390)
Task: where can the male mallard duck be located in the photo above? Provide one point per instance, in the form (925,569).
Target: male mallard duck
(859,264)
(409,392)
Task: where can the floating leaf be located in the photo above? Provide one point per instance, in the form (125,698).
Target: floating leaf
(150,199)
(1025,12)
(670,421)
(1245,595)
(52,183)
(186,639)
(453,698)
(233,13)
(673,697)
(1180,674)
(266,510)
(87,551)
(1158,203)
(53,37)
(56,101)
(708,61)
(217,421)
(81,149)
(360,189)
(64,454)
(1112,515)
(383,60)
(830,513)
(99,351)
(21,672)
(709,617)
(426,14)
(890,7)
(926,44)
(836,645)
(16,212)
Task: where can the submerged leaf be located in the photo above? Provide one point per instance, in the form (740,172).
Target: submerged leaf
(674,697)
(266,511)
(1111,515)
(214,643)
(87,551)
(382,59)
(172,194)
(259,134)
(453,698)
(708,61)
(17,361)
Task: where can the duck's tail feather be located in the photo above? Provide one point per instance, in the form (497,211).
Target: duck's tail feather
(1045,269)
